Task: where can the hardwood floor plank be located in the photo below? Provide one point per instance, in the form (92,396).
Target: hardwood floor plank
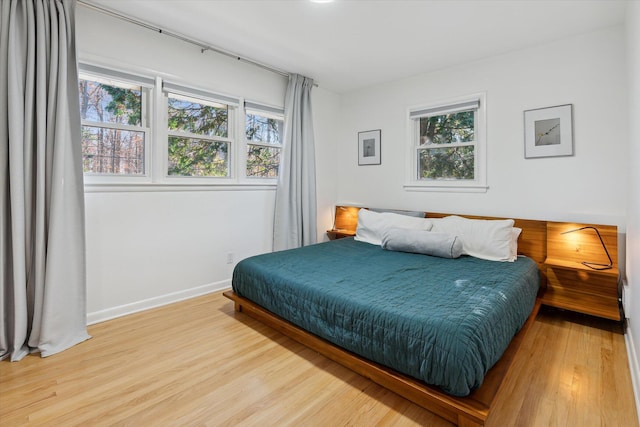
(198,362)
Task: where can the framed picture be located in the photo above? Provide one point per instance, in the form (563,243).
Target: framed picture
(369,147)
(548,132)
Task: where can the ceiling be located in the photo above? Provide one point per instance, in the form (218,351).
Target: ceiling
(349,44)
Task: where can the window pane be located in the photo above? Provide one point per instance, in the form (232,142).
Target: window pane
(110,104)
(446,163)
(447,128)
(264,129)
(197,157)
(187,116)
(262,162)
(112,151)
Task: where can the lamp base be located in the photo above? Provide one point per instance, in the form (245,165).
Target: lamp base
(596,266)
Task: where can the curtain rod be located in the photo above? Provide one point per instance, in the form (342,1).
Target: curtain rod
(203,46)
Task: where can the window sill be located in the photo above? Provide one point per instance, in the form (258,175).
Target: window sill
(164,187)
(442,188)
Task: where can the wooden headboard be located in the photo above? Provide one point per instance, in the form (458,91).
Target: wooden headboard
(532,241)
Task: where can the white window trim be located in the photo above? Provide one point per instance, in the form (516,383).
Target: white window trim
(88,71)
(156,178)
(263,110)
(479,183)
(208,98)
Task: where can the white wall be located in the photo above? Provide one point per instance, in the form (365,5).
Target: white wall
(112,42)
(587,71)
(633,207)
(326,122)
(147,248)
(152,247)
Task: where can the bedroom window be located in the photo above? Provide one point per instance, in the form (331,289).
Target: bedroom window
(448,146)
(199,133)
(264,128)
(114,111)
(147,134)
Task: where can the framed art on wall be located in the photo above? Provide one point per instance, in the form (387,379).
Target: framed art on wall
(548,132)
(369,147)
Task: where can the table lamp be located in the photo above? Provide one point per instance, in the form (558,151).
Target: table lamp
(595,265)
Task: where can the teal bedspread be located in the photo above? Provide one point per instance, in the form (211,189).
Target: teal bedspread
(443,321)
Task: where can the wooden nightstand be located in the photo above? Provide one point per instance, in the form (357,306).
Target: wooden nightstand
(339,234)
(574,286)
(345,222)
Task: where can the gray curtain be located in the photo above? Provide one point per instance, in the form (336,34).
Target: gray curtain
(43,298)
(295,211)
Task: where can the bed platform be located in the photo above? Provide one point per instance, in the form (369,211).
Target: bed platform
(325,334)
(466,411)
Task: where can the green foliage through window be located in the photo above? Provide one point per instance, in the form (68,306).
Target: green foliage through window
(447,129)
(201,130)
(446,163)
(201,119)
(263,160)
(446,146)
(113,148)
(198,157)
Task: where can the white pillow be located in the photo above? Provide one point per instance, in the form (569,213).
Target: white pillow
(515,233)
(481,238)
(371,225)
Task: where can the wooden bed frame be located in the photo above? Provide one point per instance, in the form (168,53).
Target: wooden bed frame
(471,410)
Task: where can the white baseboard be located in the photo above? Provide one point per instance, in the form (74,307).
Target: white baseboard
(632,356)
(123,310)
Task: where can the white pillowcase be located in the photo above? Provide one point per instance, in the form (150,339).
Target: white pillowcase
(372,225)
(481,238)
(515,233)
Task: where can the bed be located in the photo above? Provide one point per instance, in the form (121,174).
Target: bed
(438,331)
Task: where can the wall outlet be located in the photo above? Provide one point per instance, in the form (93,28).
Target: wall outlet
(229,257)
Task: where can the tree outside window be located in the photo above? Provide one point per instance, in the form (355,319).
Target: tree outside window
(113,135)
(264,142)
(447,146)
(448,149)
(197,144)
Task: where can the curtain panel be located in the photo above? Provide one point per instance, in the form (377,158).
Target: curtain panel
(295,210)
(42,240)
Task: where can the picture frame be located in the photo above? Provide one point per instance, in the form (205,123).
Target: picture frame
(548,132)
(369,147)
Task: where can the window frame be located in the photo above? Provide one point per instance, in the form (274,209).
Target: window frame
(156,158)
(89,72)
(448,106)
(262,110)
(205,97)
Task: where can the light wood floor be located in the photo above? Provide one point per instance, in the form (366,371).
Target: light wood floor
(199,363)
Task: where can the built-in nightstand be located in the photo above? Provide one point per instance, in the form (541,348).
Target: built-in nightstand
(345,222)
(339,234)
(571,284)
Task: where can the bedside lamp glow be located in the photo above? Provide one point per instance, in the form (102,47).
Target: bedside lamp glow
(595,265)
(346,218)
